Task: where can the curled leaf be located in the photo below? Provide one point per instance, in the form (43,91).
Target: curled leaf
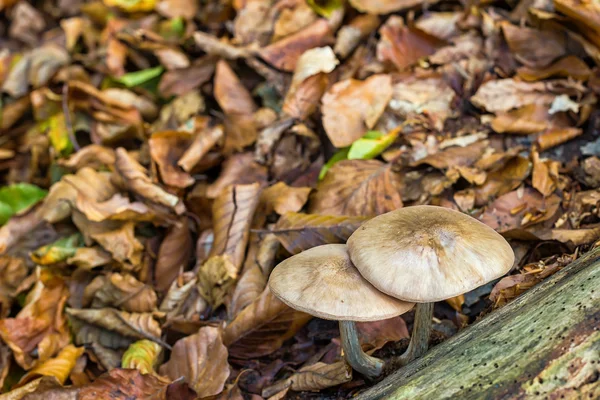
(58,251)
(59,367)
(142,355)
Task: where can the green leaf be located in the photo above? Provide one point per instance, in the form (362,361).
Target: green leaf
(18,197)
(140,77)
(58,251)
(371,145)
(339,156)
(325,7)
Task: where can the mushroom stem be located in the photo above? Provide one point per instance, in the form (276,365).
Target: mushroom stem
(419,341)
(360,361)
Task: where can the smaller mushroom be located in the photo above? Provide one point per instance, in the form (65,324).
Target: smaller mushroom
(424,254)
(322,281)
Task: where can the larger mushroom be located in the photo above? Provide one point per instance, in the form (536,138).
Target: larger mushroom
(322,281)
(424,254)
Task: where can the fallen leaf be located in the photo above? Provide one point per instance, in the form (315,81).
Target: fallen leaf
(112,328)
(298,232)
(383,6)
(59,367)
(58,251)
(201,359)
(121,243)
(173,254)
(137,181)
(349,36)
(314,377)
(204,141)
(533,47)
(375,334)
(216,277)
(89,257)
(166,148)
(42,386)
(545,174)
(18,198)
(358,188)
(282,198)
(284,53)
(232,215)
(431,97)
(237,169)
(352,107)
(505,94)
(238,106)
(125,292)
(569,66)
(556,136)
(262,327)
(12,272)
(94,156)
(142,355)
(403,46)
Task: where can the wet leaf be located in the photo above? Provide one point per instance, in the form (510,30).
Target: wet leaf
(298,232)
(358,188)
(18,198)
(352,107)
(201,359)
(262,327)
(142,355)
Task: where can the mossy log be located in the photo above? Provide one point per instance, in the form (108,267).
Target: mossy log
(543,345)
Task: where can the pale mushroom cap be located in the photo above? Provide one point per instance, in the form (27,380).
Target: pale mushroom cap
(426,253)
(323,282)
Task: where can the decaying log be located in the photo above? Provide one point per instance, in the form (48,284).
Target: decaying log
(543,345)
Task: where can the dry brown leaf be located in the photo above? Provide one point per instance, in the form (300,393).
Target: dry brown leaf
(178,293)
(506,94)
(284,53)
(204,141)
(112,328)
(173,255)
(41,388)
(179,82)
(130,384)
(569,66)
(432,97)
(299,232)
(309,82)
(125,292)
(314,377)
(545,174)
(201,359)
(262,327)
(94,156)
(121,243)
(403,46)
(557,136)
(137,180)
(90,257)
(118,207)
(18,227)
(384,6)
(520,209)
(375,334)
(531,118)
(358,188)
(237,169)
(40,325)
(12,272)
(455,156)
(532,47)
(232,215)
(282,198)
(349,36)
(166,148)
(503,180)
(238,106)
(352,107)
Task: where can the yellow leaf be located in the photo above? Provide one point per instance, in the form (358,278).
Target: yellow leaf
(132,5)
(60,366)
(142,355)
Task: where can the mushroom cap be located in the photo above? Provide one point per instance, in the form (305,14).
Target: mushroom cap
(427,253)
(322,281)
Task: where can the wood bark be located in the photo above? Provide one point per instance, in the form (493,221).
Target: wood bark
(543,345)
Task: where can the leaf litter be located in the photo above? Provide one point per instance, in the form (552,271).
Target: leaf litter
(160,157)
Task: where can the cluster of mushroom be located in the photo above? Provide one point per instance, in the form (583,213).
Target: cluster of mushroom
(419,254)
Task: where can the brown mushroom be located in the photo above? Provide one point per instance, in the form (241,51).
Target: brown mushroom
(425,254)
(322,281)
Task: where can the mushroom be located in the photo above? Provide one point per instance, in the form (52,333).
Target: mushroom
(322,281)
(424,254)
